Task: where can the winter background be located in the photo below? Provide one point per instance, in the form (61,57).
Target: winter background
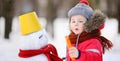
(9,48)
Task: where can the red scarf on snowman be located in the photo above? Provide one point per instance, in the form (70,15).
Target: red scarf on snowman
(50,51)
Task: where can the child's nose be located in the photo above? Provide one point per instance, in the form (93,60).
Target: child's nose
(76,24)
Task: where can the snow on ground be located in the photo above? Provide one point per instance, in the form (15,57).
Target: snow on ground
(9,48)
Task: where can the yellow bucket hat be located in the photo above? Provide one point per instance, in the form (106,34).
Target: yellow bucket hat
(29,23)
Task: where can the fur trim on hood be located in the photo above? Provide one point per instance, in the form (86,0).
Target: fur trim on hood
(97,19)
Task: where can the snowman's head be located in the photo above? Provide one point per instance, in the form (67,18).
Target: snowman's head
(33,34)
(35,40)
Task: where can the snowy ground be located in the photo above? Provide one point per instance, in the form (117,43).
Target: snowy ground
(10,48)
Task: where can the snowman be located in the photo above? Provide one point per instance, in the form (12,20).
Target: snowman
(34,39)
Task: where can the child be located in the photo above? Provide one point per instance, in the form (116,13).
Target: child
(85,36)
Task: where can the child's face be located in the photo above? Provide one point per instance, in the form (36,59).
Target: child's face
(77,23)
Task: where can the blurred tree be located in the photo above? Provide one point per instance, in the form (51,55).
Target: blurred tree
(51,14)
(119,14)
(65,6)
(35,5)
(113,10)
(1,8)
(95,4)
(7,10)
(25,6)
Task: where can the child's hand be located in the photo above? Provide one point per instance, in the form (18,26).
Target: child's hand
(73,52)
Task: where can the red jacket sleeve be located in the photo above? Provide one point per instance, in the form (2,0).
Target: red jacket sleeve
(91,50)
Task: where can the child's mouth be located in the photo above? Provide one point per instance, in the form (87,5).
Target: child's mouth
(76,29)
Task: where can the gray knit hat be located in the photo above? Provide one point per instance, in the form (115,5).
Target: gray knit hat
(81,8)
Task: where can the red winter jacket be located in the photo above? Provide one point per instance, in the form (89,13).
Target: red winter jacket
(91,50)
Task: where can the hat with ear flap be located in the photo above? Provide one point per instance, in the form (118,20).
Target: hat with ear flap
(95,19)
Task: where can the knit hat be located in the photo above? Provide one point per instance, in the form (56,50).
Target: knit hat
(82,8)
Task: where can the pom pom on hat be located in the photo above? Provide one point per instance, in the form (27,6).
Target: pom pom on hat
(84,2)
(81,8)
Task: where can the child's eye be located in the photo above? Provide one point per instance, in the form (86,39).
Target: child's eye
(82,22)
(40,36)
(73,22)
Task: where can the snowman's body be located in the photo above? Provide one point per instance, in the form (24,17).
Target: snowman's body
(34,41)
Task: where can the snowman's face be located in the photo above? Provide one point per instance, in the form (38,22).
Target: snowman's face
(34,40)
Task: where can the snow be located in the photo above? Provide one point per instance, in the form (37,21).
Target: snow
(9,48)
